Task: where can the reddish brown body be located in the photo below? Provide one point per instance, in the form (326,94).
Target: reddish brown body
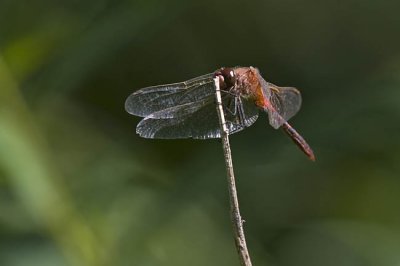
(247,82)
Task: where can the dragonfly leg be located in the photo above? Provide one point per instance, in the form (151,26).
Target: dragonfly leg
(239,109)
(228,107)
(233,107)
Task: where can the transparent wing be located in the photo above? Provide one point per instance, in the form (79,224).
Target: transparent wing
(185,109)
(285,102)
(250,111)
(198,120)
(156,98)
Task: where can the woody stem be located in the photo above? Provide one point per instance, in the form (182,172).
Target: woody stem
(236,219)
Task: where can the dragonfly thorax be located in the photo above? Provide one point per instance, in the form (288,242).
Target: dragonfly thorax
(246,82)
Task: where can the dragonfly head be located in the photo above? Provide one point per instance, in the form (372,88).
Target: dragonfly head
(227,77)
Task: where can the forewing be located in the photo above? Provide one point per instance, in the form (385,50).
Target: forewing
(198,120)
(153,99)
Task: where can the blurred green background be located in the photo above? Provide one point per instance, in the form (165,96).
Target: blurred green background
(79,187)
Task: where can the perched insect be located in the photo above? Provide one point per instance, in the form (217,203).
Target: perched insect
(187,109)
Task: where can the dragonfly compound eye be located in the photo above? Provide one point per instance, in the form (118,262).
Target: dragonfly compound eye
(229,76)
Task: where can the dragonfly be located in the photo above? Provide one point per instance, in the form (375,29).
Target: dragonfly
(188,109)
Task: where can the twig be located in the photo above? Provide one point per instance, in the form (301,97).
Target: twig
(236,219)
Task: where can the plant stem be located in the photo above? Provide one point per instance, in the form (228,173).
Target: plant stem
(236,219)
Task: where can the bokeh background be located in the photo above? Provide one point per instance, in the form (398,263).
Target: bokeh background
(79,187)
